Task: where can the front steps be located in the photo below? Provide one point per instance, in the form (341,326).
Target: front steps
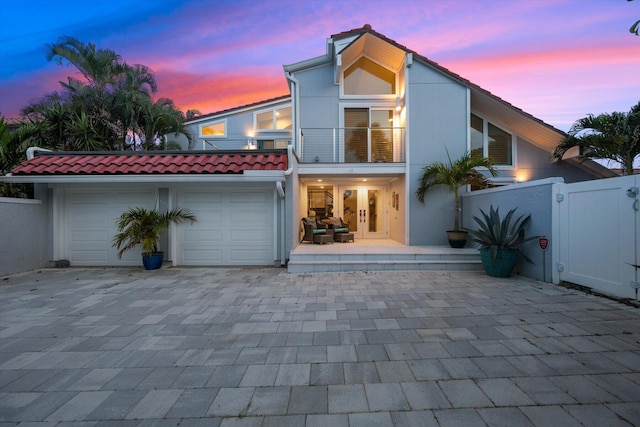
(340,257)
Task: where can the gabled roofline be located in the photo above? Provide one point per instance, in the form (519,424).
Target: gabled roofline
(239,109)
(416,56)
(327,58)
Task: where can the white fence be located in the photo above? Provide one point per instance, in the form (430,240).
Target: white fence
(593,230)
(599,234)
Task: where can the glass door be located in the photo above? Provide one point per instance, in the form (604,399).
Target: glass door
(368,135)
(363,208)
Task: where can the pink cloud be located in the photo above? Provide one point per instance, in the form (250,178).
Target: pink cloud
(218,91)
(558,85)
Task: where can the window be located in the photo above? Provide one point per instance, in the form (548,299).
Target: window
(488,140)
(368,135)
(276,119)
(320,201)
(214,130)
(267,144)
(365,77)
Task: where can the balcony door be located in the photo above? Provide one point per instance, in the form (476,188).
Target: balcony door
(368,135)
(363,207)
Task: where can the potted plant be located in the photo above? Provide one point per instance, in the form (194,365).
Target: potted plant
(139,226)
(454,175)
(500,240)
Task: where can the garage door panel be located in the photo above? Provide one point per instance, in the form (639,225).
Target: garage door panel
(245,255)
(249,197)
(89,225)
(89,237)
(193,235)
(257,236)
(200,197)
(93,216)
(238,230)
(98,257)
(203,257)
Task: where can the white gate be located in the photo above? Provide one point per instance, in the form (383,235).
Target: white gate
(599,227)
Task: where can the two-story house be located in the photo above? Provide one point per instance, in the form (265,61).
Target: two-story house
(349,140)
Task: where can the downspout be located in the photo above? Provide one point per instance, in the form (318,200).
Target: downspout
(32,151)
(295,102)
(281,193)
(295,99)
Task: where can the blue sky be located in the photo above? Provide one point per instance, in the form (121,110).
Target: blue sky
(557,60)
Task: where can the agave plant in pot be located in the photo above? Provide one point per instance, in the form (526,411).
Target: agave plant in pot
(500,240)
(139,226)
(453,175)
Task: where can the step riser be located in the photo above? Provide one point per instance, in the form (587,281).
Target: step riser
(382,257)
(387,266)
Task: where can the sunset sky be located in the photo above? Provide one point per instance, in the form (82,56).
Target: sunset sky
(558,60)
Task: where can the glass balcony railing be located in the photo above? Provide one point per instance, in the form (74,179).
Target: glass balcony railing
(353,145)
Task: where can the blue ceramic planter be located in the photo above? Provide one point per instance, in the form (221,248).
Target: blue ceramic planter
(502,265)
(152,261)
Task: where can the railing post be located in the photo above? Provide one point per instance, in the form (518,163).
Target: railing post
(334,145)
(369,145)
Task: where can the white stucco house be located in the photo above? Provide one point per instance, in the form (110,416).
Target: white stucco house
(349,140)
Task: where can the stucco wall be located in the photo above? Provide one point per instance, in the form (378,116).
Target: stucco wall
(239,125)
(533,198)
(534,163)
(23,235)
(318,98)
(437,121)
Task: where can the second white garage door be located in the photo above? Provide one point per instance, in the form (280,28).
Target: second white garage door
(235,227)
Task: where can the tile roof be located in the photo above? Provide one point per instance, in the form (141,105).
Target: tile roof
(152,163)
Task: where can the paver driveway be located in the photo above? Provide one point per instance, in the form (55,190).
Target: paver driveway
(260,347)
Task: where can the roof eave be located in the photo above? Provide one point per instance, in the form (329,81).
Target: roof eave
(327,58)
(246,176)
(243,108)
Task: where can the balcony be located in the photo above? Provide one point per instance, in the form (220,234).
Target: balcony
(352,145)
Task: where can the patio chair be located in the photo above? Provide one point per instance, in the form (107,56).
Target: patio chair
(340,229)
(315,233)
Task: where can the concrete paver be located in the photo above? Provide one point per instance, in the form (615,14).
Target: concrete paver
(261,347)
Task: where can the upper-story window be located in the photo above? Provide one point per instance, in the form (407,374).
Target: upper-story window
(365,77)
(488,140)
(275,119)
(216,129)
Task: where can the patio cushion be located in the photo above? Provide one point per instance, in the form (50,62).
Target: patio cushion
(341,230)
(320,231)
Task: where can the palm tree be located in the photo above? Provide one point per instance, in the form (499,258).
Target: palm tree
(454,175)
(98,66)
(162,118)
(112,108)
(614,136)
(139,226)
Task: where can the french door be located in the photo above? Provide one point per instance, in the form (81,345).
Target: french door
(364,208)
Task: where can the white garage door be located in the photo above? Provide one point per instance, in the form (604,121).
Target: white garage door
(234,227)
(89,225)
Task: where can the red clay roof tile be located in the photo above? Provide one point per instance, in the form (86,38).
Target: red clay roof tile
(151,163)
